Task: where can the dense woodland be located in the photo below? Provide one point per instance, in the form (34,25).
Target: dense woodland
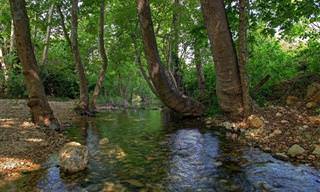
(224,55)
(159,95)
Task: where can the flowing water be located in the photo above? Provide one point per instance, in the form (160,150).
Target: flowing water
(142,151)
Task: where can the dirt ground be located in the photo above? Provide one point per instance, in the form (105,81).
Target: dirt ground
(286,124)
(24,146)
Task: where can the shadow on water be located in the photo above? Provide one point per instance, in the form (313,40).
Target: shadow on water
(143,151)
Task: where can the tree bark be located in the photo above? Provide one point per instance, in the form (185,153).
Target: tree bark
(243,53)
(167,92)
(84,95)
(200,73)
(40,109)
(103,55)
(142,70)
(228,83)
(47,39)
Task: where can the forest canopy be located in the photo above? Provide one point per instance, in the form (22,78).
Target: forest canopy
(282,42)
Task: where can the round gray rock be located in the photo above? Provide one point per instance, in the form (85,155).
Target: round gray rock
(73,157)
(295,150)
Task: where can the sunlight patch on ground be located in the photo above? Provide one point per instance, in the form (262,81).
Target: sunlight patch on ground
(7,123)
(12,168)
(35,140)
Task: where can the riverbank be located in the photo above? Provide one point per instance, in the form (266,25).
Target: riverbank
(23,145)
(288,133)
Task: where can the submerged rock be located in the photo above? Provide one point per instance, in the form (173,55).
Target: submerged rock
(255,121)
(73,157)
(113,187)
(104,141)
(295,150)
(281,156)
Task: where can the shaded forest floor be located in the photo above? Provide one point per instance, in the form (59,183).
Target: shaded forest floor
(288,126)
(24,146)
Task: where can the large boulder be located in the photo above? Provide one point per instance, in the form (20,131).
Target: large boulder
(313,93)
(73,157)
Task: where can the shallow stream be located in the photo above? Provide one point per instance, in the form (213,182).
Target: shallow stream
(142,151)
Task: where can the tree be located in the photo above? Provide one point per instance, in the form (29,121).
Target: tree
(243,52)
(84,95)
(228,83)
(103,55)
(199,68)
(47,39)
(168,93)
(40,109)
(174,63)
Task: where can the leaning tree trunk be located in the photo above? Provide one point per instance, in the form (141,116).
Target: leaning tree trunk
(38,103)
(243,52)
(84,95)
(228,84)
(166,90)
(141,67)
(103,55)
(47,40)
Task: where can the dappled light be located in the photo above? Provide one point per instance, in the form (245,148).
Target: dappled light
(12,169)
(152,96)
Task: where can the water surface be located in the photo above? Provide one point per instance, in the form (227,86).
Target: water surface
(145,152)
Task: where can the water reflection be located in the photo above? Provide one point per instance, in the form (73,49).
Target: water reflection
(191,164)
(160,156)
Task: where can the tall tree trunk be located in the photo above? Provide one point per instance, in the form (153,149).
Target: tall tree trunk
(228,84)
(243,53)
(63,26)
(140,65)
(47,40)
(174,61)
(40,109)
(84,95)
(200,73)
(12,38)
(103,55)
(3,66)
(167,92)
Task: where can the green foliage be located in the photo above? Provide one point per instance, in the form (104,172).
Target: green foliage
(267,57)
(15,87)
(308,56)
(283,36)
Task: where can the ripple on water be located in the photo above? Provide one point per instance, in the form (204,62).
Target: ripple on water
(157,157)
